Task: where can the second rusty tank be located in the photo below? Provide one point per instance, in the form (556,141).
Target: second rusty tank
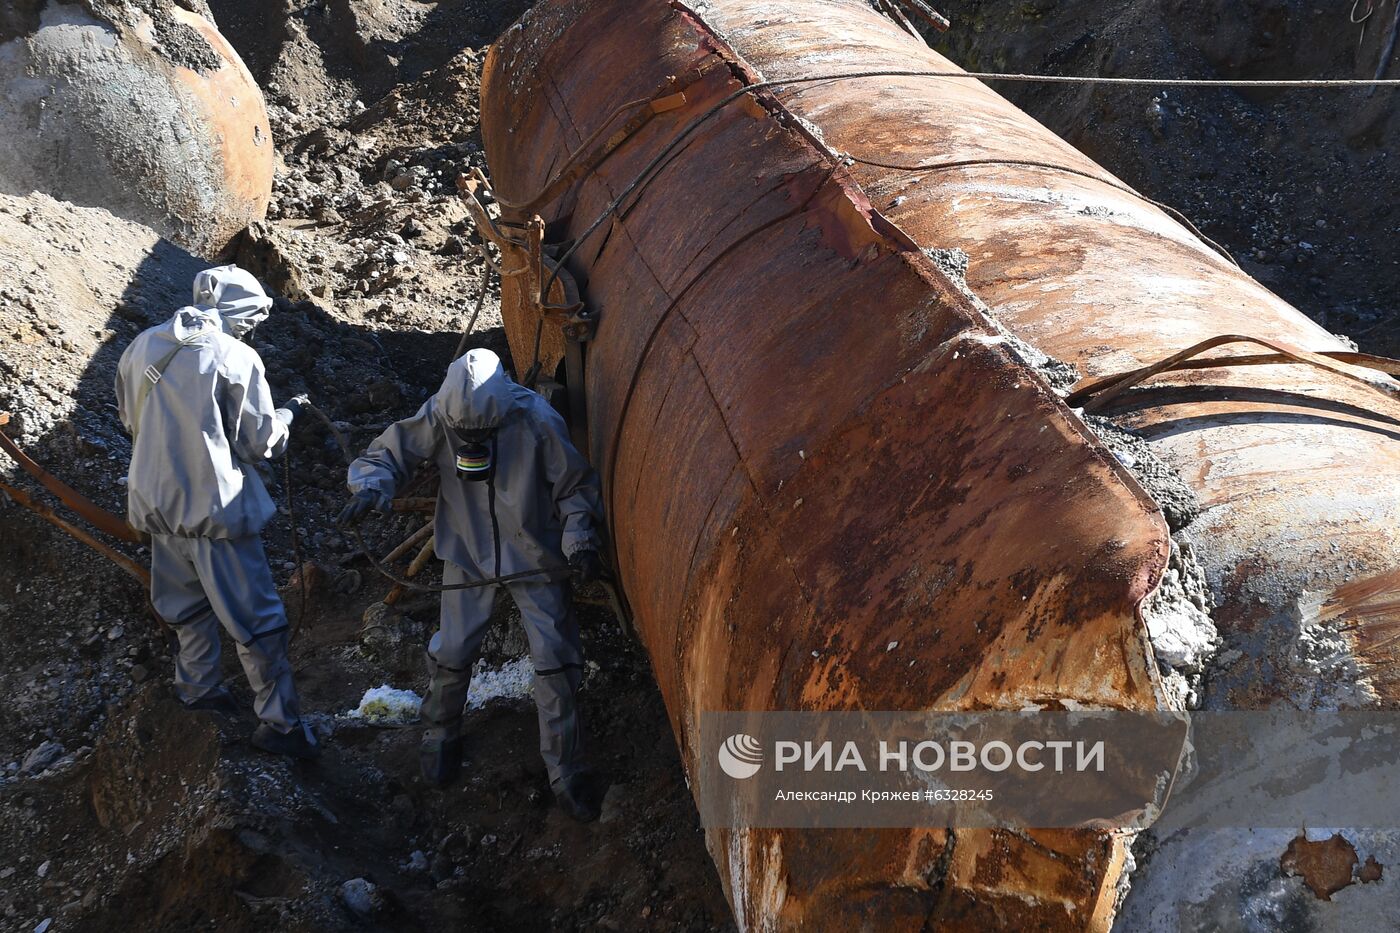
(140,108)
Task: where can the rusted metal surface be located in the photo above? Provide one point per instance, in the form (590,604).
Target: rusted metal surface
(1294,466)
(234,128)
(772,359)
(815,445)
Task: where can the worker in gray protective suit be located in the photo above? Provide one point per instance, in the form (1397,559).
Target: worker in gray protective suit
(195,400)
(515,496)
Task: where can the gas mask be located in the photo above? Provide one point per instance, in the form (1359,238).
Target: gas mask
(476,455)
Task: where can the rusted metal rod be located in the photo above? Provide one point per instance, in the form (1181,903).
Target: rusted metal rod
(95,515)
(417,564)
(408,543)
(1100,392)
(927,13)
(134,569)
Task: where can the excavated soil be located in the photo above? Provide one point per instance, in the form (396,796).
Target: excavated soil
(119,810)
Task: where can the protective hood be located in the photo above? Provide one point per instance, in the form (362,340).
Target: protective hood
(235,294)
(190,320)
(476,394)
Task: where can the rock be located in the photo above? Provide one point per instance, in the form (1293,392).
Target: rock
(442,867)
(361,896)
(418,862)
(40,758)
(384,394)
(139,673)
(43,869)
(612,803)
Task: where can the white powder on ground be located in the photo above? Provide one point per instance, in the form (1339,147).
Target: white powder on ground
(386,705)
(512,681)
(383,705)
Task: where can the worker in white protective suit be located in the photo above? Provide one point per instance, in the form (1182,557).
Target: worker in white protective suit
(515,496)
(196,402)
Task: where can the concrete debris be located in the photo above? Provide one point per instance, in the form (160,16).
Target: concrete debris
(1060,375)
(1178,502)
(1324,671)
(1178,621)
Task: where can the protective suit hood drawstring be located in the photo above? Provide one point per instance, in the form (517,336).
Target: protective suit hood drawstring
(235,295)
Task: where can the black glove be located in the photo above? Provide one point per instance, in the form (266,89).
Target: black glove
(360,505)
(297,405)
(294,407)
(587,565)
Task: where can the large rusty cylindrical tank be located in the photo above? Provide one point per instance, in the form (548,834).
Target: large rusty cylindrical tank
(140,108)
(840,470)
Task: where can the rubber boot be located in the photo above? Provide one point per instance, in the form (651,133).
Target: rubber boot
(220,703)
(440,760)
(577,797)
(295,744)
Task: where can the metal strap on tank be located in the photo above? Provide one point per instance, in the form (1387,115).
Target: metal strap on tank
(1095,394)
(588,157)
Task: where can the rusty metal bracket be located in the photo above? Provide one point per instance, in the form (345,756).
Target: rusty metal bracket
(527,255)
(1095,394)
